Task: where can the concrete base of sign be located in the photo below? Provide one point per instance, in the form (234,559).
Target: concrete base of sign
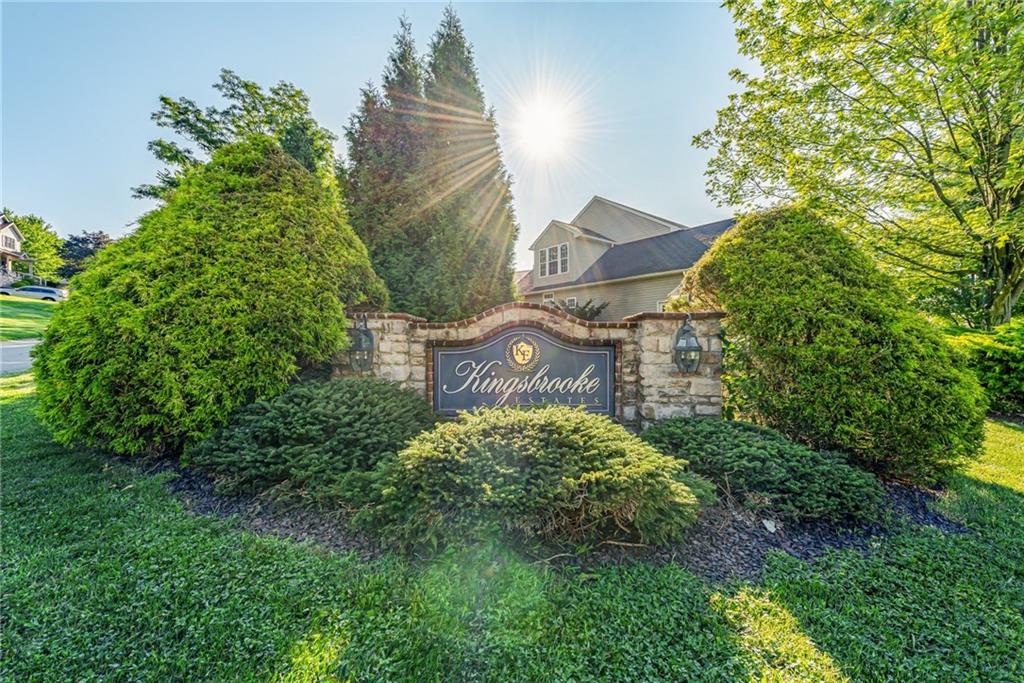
(648,385)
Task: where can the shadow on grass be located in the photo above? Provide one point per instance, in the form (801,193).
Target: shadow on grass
(106,576)
(485,613)
(926,605)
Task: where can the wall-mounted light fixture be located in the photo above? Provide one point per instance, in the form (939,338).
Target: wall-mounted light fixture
(686,349)
(360,350)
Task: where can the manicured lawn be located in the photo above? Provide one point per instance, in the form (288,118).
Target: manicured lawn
(105,577)
(23,318)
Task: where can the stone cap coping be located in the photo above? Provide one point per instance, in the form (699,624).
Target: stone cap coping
(676,315)
(626,323)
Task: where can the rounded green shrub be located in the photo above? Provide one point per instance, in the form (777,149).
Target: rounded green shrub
(766,471)
(997,358)
(218,299)
(317,440)
(824,348)
(552,472)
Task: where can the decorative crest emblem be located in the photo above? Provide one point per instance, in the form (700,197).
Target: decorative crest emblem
(522,353)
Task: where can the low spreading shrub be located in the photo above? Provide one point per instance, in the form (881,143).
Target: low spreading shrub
(553,472)
(318,440)
(824,348)
(766,471)
(219,298)
(997,358)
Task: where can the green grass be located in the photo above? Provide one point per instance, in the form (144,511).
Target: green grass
(103,576)
(23,318)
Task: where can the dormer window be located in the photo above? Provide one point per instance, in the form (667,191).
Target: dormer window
(554,260)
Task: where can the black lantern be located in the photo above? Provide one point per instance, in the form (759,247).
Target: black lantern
(360,350)
(686,349)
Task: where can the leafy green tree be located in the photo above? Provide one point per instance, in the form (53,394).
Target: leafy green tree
(281,112)
(219,298)
(41,243)
(905,121)
(428,191)
(77,249)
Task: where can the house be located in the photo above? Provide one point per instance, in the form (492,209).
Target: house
(10,251)
(614,253)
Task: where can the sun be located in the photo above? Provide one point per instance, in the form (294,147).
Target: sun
(543,128)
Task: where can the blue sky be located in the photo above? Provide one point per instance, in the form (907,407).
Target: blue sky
(80,81)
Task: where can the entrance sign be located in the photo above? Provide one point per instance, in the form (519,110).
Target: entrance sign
(524,366)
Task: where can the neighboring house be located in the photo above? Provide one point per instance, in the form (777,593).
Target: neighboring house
(617,254)
(10,251)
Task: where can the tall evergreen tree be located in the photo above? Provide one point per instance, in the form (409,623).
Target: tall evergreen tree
(383,176)
(427,189)
(469,182)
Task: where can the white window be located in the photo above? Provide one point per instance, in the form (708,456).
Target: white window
(549,299)
(661,305)
(10,243)
(554,260)
(570,302)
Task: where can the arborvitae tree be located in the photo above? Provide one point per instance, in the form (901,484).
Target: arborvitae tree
(427,189)
(221,297)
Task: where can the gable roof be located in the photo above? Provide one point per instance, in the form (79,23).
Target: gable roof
(4,223)
(577,229)
(672,251)
(671,225)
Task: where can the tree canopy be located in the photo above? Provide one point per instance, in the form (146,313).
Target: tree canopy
(77,249)
(281,112)
(904,121)
(219,298)
(41,243)
(427,187)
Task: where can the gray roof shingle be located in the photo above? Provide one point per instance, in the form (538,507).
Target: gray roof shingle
(674,250)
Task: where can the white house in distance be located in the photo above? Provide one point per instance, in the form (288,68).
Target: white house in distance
(614,253)
(10,251)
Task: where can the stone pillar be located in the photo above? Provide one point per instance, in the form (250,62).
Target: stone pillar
(663,390)
(392,359)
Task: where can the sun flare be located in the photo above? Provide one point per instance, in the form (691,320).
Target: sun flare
(543,129)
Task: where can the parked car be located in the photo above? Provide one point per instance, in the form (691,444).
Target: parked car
(36,292)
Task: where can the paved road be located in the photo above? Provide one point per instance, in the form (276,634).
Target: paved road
(14,356)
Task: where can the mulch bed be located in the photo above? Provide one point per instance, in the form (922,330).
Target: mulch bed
(727,542)
(732,542)
(328,528)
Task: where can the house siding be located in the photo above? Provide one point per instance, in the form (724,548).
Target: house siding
(618,224)
(624,297)
(582,254)
(8,232)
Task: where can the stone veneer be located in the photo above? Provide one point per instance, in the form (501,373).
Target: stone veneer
(648,384)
